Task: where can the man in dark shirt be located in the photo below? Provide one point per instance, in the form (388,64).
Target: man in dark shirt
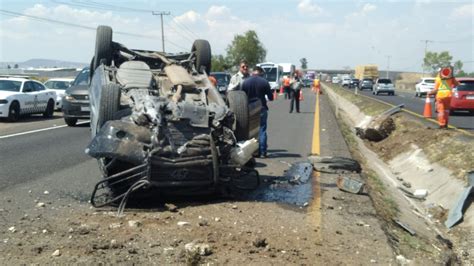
(258,87)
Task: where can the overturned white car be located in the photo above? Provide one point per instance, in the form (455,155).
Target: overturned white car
(158,124)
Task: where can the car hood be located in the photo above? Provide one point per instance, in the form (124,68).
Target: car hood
(78,90)
(5,94)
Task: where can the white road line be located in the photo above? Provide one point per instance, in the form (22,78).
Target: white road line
(39,130)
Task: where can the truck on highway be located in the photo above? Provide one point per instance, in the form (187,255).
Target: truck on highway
(366,72)
(310,74)
(273,74)
(288,69)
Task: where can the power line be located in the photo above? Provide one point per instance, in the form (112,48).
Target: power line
(184,27)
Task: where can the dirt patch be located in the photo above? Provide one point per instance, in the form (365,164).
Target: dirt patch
(441,146)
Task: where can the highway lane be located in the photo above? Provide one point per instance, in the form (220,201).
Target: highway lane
(462,120)
(36,155)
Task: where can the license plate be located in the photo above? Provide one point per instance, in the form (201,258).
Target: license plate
(470,97)
(85,109)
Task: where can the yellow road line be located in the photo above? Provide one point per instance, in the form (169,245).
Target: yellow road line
(418,115)
(316,149)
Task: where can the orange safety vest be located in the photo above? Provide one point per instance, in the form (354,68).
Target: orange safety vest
(316,83)
(286,82)
(444,87)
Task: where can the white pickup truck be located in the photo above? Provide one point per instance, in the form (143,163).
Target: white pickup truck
(20,96)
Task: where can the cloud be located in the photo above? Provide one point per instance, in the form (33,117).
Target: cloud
(218,12)
(309,8)
(465,11)
(363,12)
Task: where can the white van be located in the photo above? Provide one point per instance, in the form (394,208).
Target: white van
(335,80)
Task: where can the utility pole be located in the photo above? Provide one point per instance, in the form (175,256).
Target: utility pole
(388,64)
(161,14)
(426,50)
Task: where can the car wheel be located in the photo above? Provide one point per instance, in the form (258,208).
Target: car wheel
(14,112)
(238,104)
(70,121)
(48,113)
(103,46)
(109,104)
(202,52)
(416,94)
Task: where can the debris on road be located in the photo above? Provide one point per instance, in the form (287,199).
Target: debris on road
(299,173)
(181,223)
(198,249)
(380,126)
(260,242)
(171,207)
(134,224)
(405,227)
(456,212)
(350,185)
(419,194)
(56,253)
(40,204)
(332,164)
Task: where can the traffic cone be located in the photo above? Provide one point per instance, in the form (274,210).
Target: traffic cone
(275,95)
(301,95)
(281,90)
(427,112)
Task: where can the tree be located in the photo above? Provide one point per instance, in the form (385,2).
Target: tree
(220,63)
(458,67)
(9,67)
(304,63)
(15,66)
(433,61)
(247,47)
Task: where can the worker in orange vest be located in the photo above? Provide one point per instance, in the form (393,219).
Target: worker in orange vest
(286,87)
(213,80)
(317,86)
(444,83)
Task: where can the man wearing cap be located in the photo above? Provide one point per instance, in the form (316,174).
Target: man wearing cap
(258,87)
(444,83)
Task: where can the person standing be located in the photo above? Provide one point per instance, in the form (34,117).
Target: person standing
(237,79)
(295,90)
(444,84)
(258,87)
(286,87)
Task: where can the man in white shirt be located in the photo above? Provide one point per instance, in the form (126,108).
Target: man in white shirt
(237,79)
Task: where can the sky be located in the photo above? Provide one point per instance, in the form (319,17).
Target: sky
(332,34)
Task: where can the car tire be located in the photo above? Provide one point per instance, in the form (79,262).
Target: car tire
(416,94)
(103,46)
(109,104)
(70,121)
(48,113)
(238,104)
(14,112)
(202,52)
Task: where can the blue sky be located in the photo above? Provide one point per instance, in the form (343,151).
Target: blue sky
(330,34)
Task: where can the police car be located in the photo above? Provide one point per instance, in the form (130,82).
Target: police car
(19,96)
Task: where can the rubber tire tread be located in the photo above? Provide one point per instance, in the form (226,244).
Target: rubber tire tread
(70,121)
(15,118)
(103,46)
(48,113)
(109,103)
(238,104)
(202,50)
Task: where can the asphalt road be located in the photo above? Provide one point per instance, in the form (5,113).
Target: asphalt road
(461,120)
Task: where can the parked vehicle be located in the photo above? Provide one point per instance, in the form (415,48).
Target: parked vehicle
(307,83)
(335,80)
(366,84)
(463,96)
(59,85)
(159,126)
(273,74)
(75,103)
(424,86)
(223,80)
(383,86)
(22,96)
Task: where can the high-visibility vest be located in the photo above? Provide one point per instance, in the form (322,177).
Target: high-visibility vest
(316,83)
(286,82)
(444,88)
